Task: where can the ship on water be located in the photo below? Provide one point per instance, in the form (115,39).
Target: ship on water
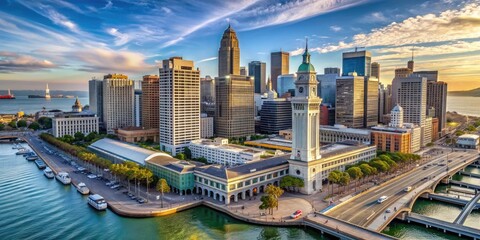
(8,96)
(46,96)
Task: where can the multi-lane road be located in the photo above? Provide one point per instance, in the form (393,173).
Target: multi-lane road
(363,209)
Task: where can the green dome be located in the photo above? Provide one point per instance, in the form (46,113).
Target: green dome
(306,67)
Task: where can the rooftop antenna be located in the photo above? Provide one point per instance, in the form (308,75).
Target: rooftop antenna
(413,49)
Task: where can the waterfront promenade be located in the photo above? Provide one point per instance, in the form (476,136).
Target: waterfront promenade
(246,210)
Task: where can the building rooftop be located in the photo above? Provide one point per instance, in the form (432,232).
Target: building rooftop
(470,136)
(342,128)
(122,150)
(230,147)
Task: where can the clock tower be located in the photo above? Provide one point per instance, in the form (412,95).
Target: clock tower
(305,128)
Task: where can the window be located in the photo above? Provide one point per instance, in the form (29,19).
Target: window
(232,187)
(255,180)
(240,184)
(262,178)
(269,176)
(247,183)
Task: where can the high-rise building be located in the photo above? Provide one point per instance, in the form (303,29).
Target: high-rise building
(332,70)
(396,117)
(276,113)
(376,70)
(411,93)
(430,75)
(350,99)
(207,96)
(279,65)
(437,98)
(258,71)
(358,61)
(370,118)
(382,91)
(95,97)
(285,84)
(235,107)
(402,72)
(137,108)
(118,101)
(206,126)
(179,104)
(327,90)
(229,54)
(150,101)
(243,71)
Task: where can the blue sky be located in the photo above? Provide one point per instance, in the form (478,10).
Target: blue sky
(66,43)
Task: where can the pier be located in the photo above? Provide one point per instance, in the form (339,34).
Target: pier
(464,184)
(451,200)
(475,175)
(467,210)
(445,226)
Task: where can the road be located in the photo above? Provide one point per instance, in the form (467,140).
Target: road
(364,209)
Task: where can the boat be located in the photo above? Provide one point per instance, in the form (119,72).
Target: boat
(64,178)
(32,158)
(22,151)
(97,202)
(48,173)
(83,189)
(40,164)
(8,96)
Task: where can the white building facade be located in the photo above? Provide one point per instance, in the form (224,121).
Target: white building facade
(69,125)
(206,126)
(220,152)
(118,102)
(339,133)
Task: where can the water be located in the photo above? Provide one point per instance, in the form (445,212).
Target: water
(33,105)
(34,207)
(464,105)
(472,169)
(466,179)
(404,230)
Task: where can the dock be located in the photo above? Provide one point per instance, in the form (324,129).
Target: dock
(443,225)
(467,210)
(464,184)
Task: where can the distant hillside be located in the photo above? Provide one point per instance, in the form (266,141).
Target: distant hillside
(469,93)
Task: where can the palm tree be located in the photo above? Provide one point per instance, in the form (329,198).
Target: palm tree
(162,187)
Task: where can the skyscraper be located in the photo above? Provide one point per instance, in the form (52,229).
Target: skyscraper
(137,108)
(279,65)
(370,118)
(235,106)
(243,71)
(411,94)
(118,100)
(327,90)
(376,70)
(350,99)
(257,70)
(229,54)
(179,104)
(402,72)
(95,97)
(150,101)
(207,96)
(276,113)
(286,84)
(437,98)
(358,61)
(332,70)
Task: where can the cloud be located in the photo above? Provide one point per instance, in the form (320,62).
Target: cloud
(11,62)
(375,17)
(49,12)
(166,10)
(108,5)
(450,25)
(335,28)
(107,60)
(207,59)
(120,38)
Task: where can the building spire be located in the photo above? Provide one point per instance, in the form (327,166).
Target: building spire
(306,54)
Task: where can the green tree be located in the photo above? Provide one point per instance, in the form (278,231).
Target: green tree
(2,126)
(21,123)
(12,124)
(91,136)
(79,136)
(180,156)
(34,125)
(274,191)
(67,139)
(46,122)
(344,180)
(187,152)
(268,202)
(334,177)
(162,187)
(367,170)
(355,173)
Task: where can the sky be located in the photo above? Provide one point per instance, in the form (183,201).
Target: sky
(66,43)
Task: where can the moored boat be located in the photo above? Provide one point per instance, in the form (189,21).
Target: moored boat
(32,158)
(48,173)
(64,178)
(40,164)
(97,202)
(83,189)
(22,151)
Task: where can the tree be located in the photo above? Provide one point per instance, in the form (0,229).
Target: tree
(367,170)
(162,187)
(268,202)
(344,180)
(334,177)
(46,122)
(34,125)
(12,124)
(355,173)
(275,192)
(79,136)
(22,123)
(187,152)
(2,126)
(67,138)
(180,156)
(91,136)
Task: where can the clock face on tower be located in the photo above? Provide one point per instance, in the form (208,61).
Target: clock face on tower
(300,89)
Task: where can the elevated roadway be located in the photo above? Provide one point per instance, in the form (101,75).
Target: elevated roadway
(445,226)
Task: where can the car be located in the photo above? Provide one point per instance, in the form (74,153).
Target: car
(296,214)
(407,189)
(382,199)
(388,210)
(425,168)
(115,186)
(449,160)
(141,200)
(92,176)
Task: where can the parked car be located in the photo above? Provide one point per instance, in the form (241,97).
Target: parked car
(296,214)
